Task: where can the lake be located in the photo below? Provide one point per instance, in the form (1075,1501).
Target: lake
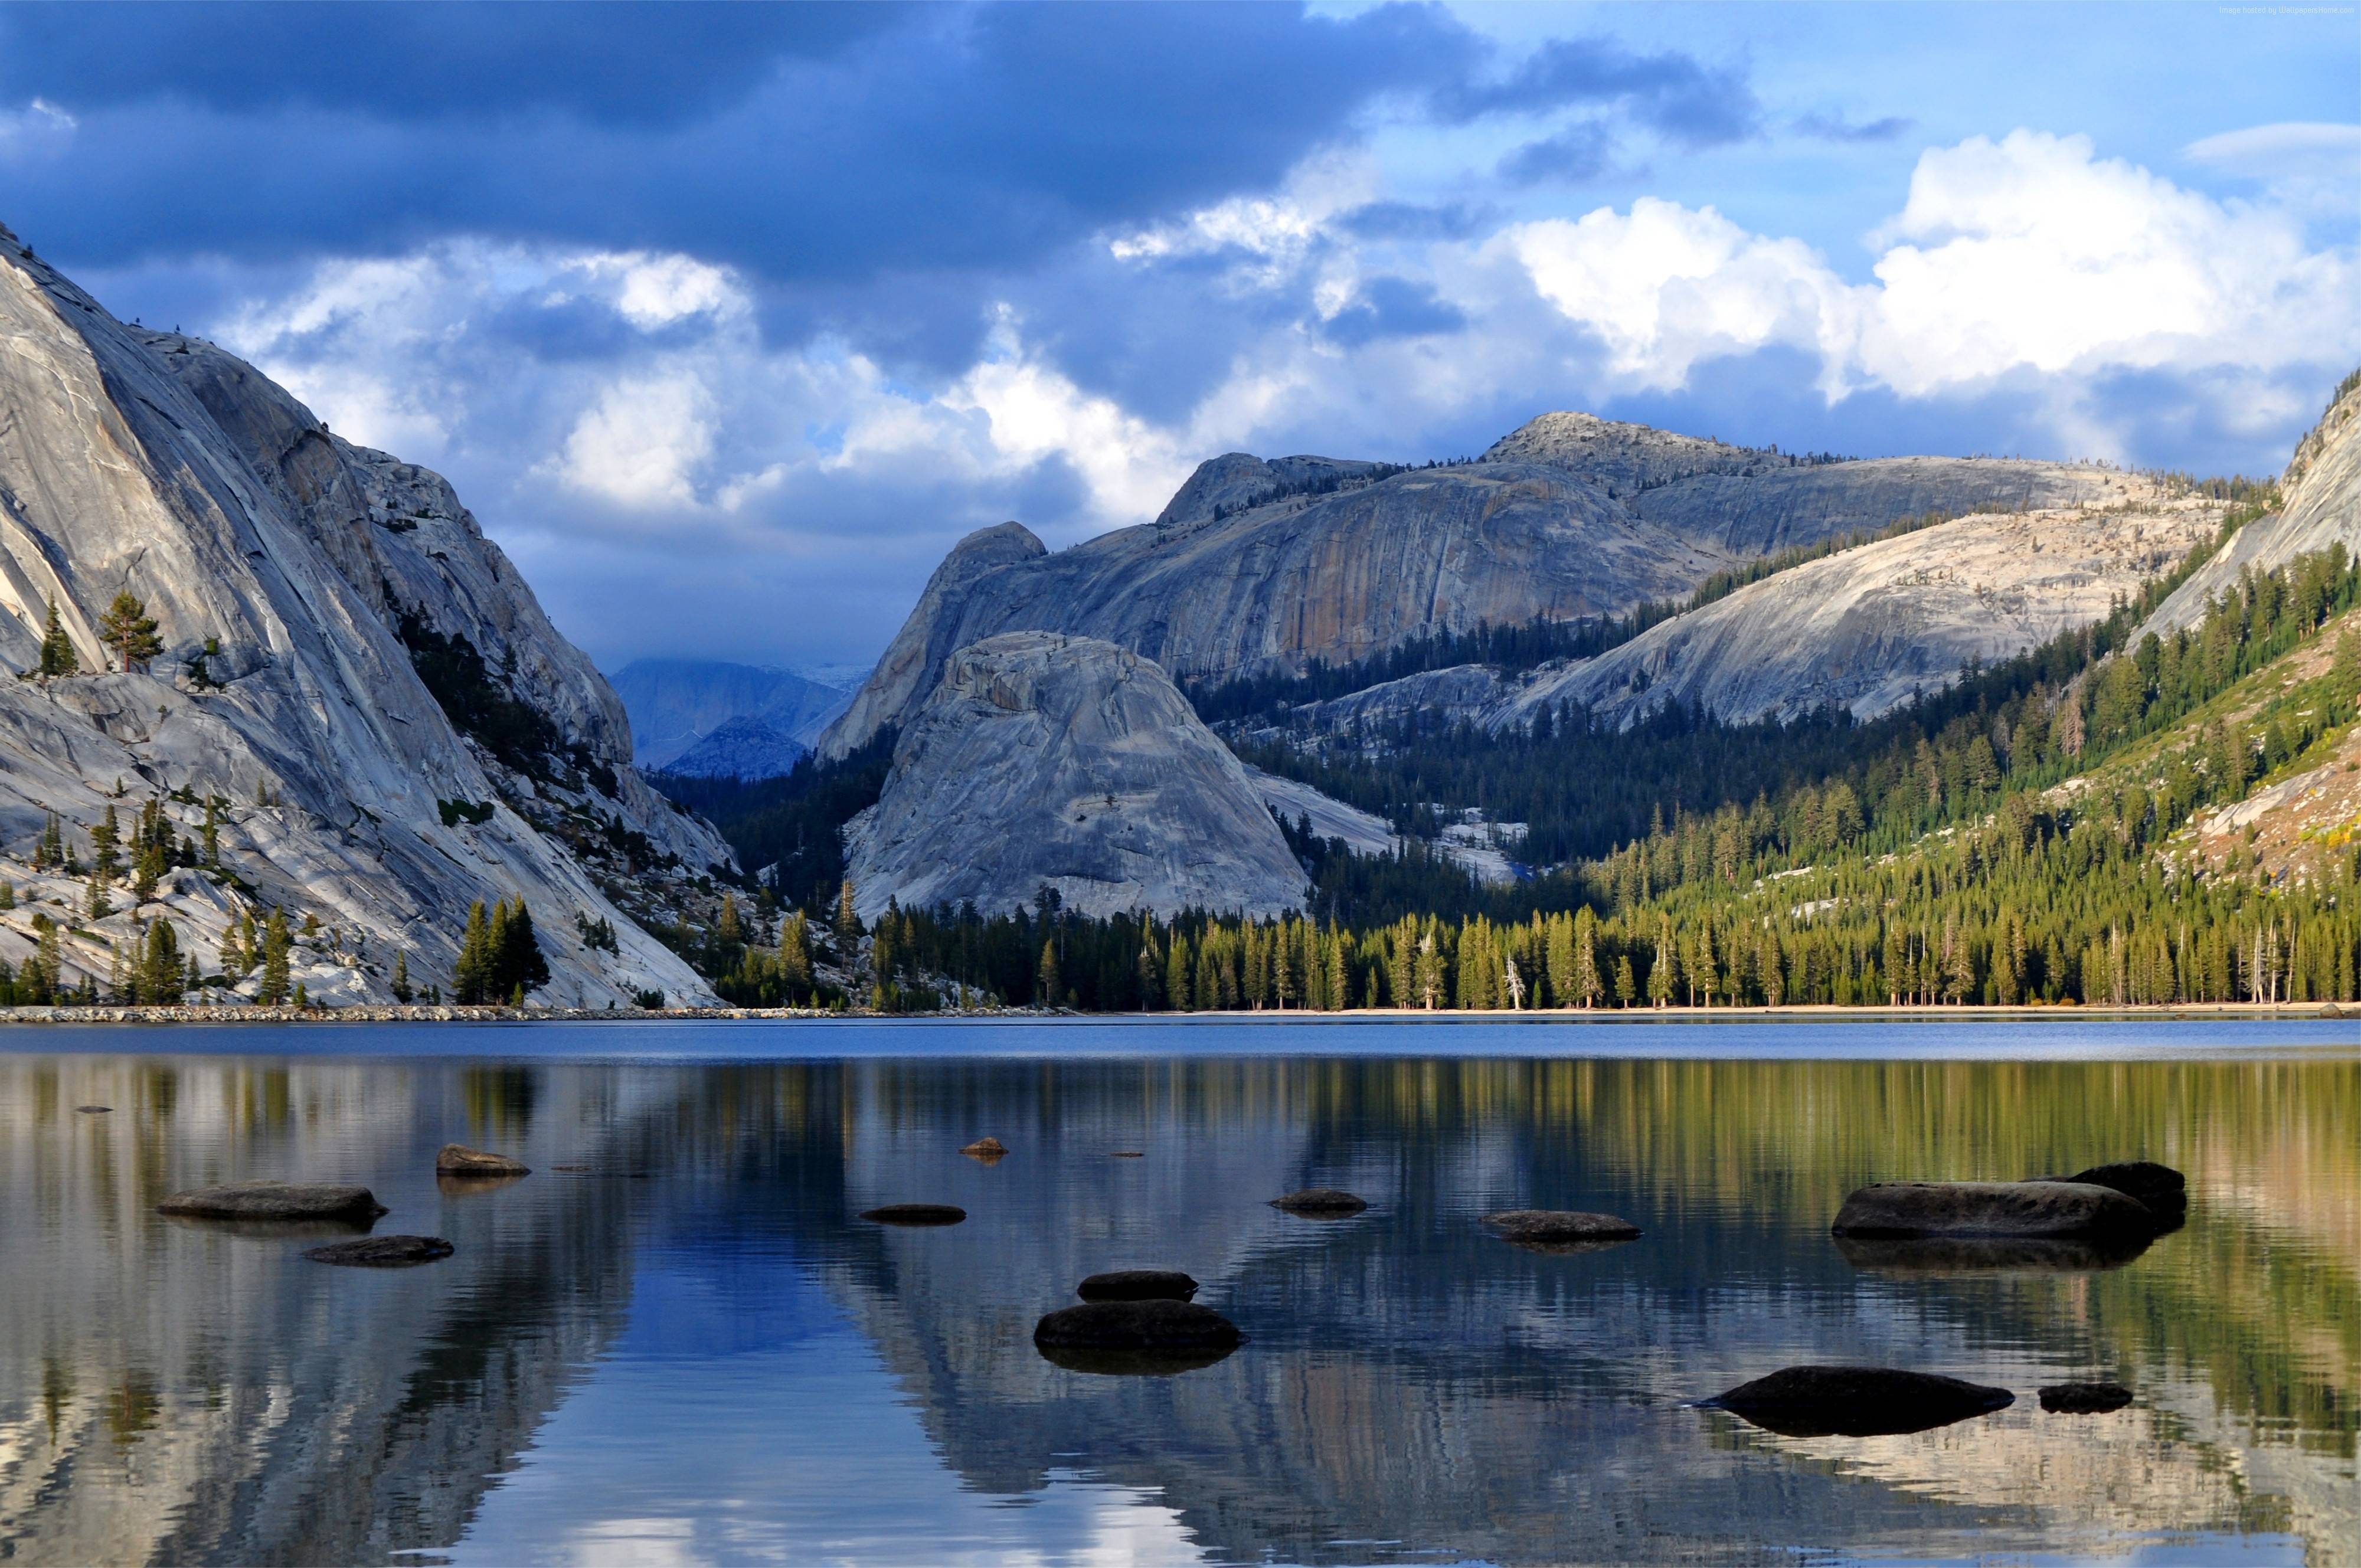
(675,1342)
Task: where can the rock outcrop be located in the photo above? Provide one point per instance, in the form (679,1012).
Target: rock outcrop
(2320,497)
(1041,760)
(1865,628)
(1858,1401)
(300,585)
(1570,517)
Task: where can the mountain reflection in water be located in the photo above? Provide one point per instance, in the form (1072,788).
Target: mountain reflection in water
(686,1346)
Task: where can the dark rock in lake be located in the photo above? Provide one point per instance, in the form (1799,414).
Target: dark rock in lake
(2164,1189)
(2013,1209)
(458,1159)
(1923,1257)
(1137,1285)
(1141,1332)
(473,1185)
(1857,1401)
(1133,1362)
(1321,1203)
(276,1201)
(916,1214)
(383,1252)
(2084,1399)
(95,1110)
(1127,1154)
(1567,1229)
(988,1150)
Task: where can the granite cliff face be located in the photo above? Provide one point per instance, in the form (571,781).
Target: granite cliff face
(2320,505)
(1569,517)
(1865,626)
(293,576)
(1039,758)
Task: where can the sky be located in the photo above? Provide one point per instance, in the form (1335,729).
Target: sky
(727,322)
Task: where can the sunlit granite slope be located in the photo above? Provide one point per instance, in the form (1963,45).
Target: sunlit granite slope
(292,577)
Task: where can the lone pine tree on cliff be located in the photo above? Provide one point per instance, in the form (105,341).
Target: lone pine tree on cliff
(129,632)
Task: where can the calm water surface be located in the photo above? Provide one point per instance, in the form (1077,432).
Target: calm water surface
(692,1351)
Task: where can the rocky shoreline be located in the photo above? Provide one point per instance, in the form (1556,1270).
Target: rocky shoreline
(2192,1012)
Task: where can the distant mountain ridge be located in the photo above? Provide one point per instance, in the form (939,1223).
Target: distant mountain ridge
(676,705)
(1568,517)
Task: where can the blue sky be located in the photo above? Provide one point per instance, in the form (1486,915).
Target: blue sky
(727,321)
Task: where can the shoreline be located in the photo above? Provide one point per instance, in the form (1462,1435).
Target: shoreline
(2193,1011)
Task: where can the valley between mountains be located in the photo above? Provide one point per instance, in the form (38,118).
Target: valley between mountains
(1604,714)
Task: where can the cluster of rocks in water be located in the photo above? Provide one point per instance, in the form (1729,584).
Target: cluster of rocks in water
(296,1207)
(1147,1322)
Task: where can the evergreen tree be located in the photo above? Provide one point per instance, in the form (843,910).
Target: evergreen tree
(401,992)
(106,846)
(58,657)
(96,905)
(128,632)
(161,977)
(1047,989)
(471,978)
(277,943)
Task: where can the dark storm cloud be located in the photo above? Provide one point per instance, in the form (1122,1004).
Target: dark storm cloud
(1393,307)
(1578,153)
(1672,93)
(836,147)
(645,63)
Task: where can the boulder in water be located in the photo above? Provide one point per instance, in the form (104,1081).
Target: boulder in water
(1568,1228)
(1932,1256)
(1151,1338)
(2084,1399)
(916,1214)
(275,1200)
(988,1149)
(1857,1401)
(1321,1203)
(1137,1285)
(458,1159)
(383,1252)
(95,1110)
(2164,1189)
(1991,1209)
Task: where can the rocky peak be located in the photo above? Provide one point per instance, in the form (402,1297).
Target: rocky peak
(1625,457)
(1041,759)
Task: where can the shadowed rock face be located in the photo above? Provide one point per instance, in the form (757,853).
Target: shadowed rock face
(1569,517)
(1069,762)
(280,564)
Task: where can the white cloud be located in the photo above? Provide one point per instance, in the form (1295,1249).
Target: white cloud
(39,129)
(2269,152)
(643,443)
(2028,254)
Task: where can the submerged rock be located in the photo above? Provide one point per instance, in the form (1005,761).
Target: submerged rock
(275,1200)
(2084,1399)
(916,1214)
(95,1110)
(1321,1203)
(383,1252)
(1934,1256)
(988,1150)
(458,1159)
(1128,1154)
(1151,1338)
(1568,1228)
(1137,1285)
(1991,1209)
(1857,1401)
